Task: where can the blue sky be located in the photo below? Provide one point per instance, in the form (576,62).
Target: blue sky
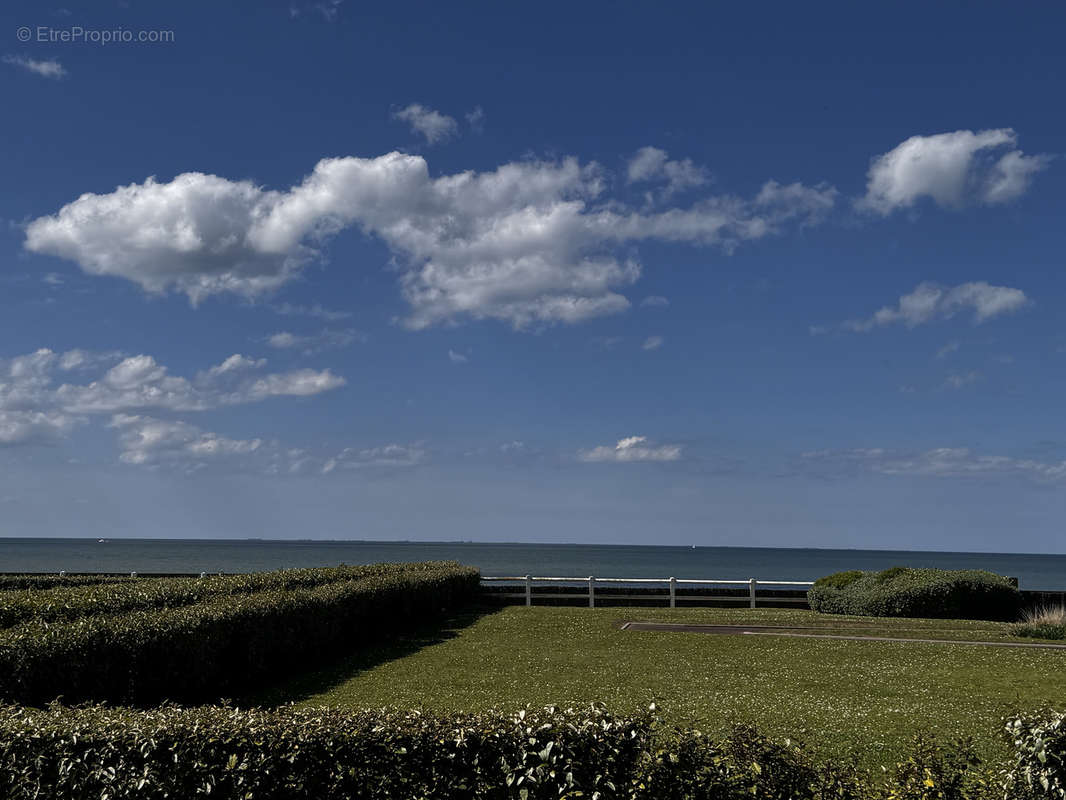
(786,276)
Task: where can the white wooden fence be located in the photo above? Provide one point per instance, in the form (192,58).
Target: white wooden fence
(527,582)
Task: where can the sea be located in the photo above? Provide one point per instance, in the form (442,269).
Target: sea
(145,556)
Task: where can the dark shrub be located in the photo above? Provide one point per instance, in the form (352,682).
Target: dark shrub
(905,592)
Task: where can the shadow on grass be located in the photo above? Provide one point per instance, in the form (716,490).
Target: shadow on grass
(324,678)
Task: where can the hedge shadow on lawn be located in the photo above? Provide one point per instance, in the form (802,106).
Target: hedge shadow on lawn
(324,678)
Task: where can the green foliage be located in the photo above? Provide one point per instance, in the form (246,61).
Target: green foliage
(80,600)
(319,754)
(1041,631)
(890,574)
(865,699)
(1046,622)
(224,645)
(905,592)
(838,580)
(688,765)
(327,753)
(1039,768)
(330,754)
(20,582)
(936,771)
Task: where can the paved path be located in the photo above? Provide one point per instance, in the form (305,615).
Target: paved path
(770,630)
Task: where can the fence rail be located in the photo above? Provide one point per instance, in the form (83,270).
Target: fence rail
(527,582)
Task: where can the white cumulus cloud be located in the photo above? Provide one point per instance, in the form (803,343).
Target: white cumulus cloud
(953,169)
(316,310)
(35,404)
(298,383)
(309,344)
(46,68)
(939,462)
(155,443)
(148,441)
(960,380)
(21,426)
(432,125)
(632,448)
(200,234)
(652,165)
(390,455)
(532,242)
(655,301)
(931,301)
(947,350)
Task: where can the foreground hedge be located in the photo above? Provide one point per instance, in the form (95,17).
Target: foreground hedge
(80,600)
(333,754)
(1039,769)
(224,647)
(321,754)
(329,754)
(905,592)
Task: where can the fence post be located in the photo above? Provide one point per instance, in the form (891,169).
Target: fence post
(751,592)
(529,590)
(673,592)
(592,592)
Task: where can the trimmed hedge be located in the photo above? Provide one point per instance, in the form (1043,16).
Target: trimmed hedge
(325,754)
(68,603)
(1039,768)
(66,753)
(223,647)
(839,580)
(689,765)
(906,592)
(19,582)
(335,754)
(330,754)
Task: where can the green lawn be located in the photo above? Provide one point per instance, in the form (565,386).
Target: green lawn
(841,697)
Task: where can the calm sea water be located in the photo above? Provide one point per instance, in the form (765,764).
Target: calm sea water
(723,563)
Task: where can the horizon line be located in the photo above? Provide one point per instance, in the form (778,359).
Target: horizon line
(515,544)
